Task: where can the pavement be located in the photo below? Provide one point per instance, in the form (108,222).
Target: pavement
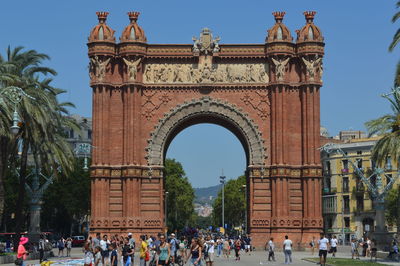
(255,258)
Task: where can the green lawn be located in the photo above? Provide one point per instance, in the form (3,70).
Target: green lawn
(339,261)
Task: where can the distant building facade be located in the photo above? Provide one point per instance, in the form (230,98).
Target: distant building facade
(347,205)
(82,136)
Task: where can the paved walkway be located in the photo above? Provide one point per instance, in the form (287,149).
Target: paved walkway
(256,258)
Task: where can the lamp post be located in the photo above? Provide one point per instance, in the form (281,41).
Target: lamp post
(14,94)
(222,181)
(165,211)
(83,149)
(377,190)
(245,211)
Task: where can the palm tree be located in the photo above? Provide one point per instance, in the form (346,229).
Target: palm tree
(388,127)
(42,129)
(393,44)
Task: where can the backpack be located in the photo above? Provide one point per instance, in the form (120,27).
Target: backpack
(177,244)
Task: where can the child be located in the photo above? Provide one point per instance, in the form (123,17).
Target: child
(114,255)
(88,255)
(97,256)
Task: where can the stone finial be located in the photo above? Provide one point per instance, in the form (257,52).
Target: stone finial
(278,16)
(102,16)
(133,16)
(309,16)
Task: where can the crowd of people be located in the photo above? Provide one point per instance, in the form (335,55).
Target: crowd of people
(155,250)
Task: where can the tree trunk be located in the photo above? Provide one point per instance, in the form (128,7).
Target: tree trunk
(19,210)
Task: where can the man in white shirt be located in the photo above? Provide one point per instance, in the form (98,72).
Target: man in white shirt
(287,249)
(270,247)
(323,243)
(334,243)
(209,251)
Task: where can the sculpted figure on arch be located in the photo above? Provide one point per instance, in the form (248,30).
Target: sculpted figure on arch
(98,67)
(280,66)
(132,68)
(310,67)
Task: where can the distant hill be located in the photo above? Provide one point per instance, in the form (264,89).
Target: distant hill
(203,194)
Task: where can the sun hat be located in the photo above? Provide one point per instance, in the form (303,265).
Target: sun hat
(129,234)
(23,240)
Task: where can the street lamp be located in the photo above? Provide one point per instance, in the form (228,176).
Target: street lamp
(165,210)
(245,211)
(83,148)
(14,94)
(222,181)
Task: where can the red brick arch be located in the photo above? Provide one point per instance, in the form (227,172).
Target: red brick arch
(266,94)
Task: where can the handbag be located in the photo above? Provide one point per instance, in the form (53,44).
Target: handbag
(147,256)
(18,261)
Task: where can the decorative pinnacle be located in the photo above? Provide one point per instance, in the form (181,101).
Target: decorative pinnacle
(278,16)
(102,16)
(133,16)
(309,16)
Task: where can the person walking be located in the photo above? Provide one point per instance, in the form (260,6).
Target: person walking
(209,251)
(127,252)
(68,245)
(354,249)
(41,248)
(143,250)
(323,243)
(238,246)
(195,252)
(287,249)
(334,243)
(132,244)
(114,254)
(225,248)
(61,246)
(312,245)
(164,252)
(270,247)
(374,250)
(88,255)
(97,257)
(22,252)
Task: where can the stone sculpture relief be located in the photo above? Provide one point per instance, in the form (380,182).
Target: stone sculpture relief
(221,73)
(206,43)
(280,66)
(311,66)
(98,67)
(132,68)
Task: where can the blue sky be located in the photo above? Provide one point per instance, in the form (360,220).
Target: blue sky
(357,67)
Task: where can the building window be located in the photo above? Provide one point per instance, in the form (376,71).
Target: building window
(373,165)
(359,163)
(328,168)
(89,134)
(360,203)
(345,184)
(346,222)
(345,166)
(346,204)
(359,152)
(330,223)
(373,180)
(71,134)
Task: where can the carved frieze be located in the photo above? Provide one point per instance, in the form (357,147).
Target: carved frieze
(216,73)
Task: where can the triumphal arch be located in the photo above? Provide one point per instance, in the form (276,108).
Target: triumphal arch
(267,94)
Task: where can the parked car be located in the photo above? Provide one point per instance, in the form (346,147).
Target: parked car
(78,241)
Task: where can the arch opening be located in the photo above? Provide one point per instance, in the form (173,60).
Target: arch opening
(206,110)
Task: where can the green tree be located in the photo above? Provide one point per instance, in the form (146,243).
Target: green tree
(180,198)
(392,203)
(388,127)
(43,120)
(393,44)
(235,203)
